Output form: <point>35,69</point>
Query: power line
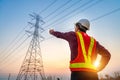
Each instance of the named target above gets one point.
<point>69,13</point>
<point>97,18</point>
<point>6,63</point>
<point>91,5</point>
<point>10,51</point>
<point>5,59</point>
<point>9,62</point>
<point>14,39</point>
<point>20,37</point>
<point>58,8</point>
<point>106,14</point>
<point>47,7</point>
<point>66,9</point>
<point>11,46</point>
<point>113,11</point>
<point>13,43</point>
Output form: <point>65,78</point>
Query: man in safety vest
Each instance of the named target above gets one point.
<point>84,50</point>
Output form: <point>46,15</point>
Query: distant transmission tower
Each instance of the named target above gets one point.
<point>32,66</point>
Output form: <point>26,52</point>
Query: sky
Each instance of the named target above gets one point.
<point>60,15</point>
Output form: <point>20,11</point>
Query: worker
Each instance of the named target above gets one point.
<point>84,50</point>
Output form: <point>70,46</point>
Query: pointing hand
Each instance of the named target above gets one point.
<point>51,31</point>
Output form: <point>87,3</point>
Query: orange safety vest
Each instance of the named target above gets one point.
<point>86,53</point>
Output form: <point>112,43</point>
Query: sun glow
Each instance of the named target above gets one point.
<point>96,64</point>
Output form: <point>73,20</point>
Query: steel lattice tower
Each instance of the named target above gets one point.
<point>32,66</point>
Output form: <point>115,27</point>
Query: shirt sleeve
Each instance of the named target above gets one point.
<point>61,35</point>
<point>105,56</point>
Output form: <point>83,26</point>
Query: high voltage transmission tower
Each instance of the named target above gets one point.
<point>32,66</point>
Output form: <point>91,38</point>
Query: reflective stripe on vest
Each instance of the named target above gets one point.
<point>87,63</point>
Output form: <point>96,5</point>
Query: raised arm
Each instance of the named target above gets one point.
<point>61,35</point>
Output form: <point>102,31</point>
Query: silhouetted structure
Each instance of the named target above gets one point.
<point>32,66</point>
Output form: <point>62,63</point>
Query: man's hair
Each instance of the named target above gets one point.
<point>81,27</point>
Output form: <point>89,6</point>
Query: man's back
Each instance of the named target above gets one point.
<point>84,50</point>
<point>72,40</point>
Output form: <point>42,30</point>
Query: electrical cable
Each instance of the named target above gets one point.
<point>14,39</point>
<point>82,5</point>
<point>5,59</point>
<point>82,10</point>
<point>47,7</point>
<point>69,13</point>
<point>65,9</point>
<point>58,9</point>
<point>97,18</point>
<point>11,46</point>
<point>9,62</point>
<point>93,4</point>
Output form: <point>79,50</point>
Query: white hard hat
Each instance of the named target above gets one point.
<point>85,23</point>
